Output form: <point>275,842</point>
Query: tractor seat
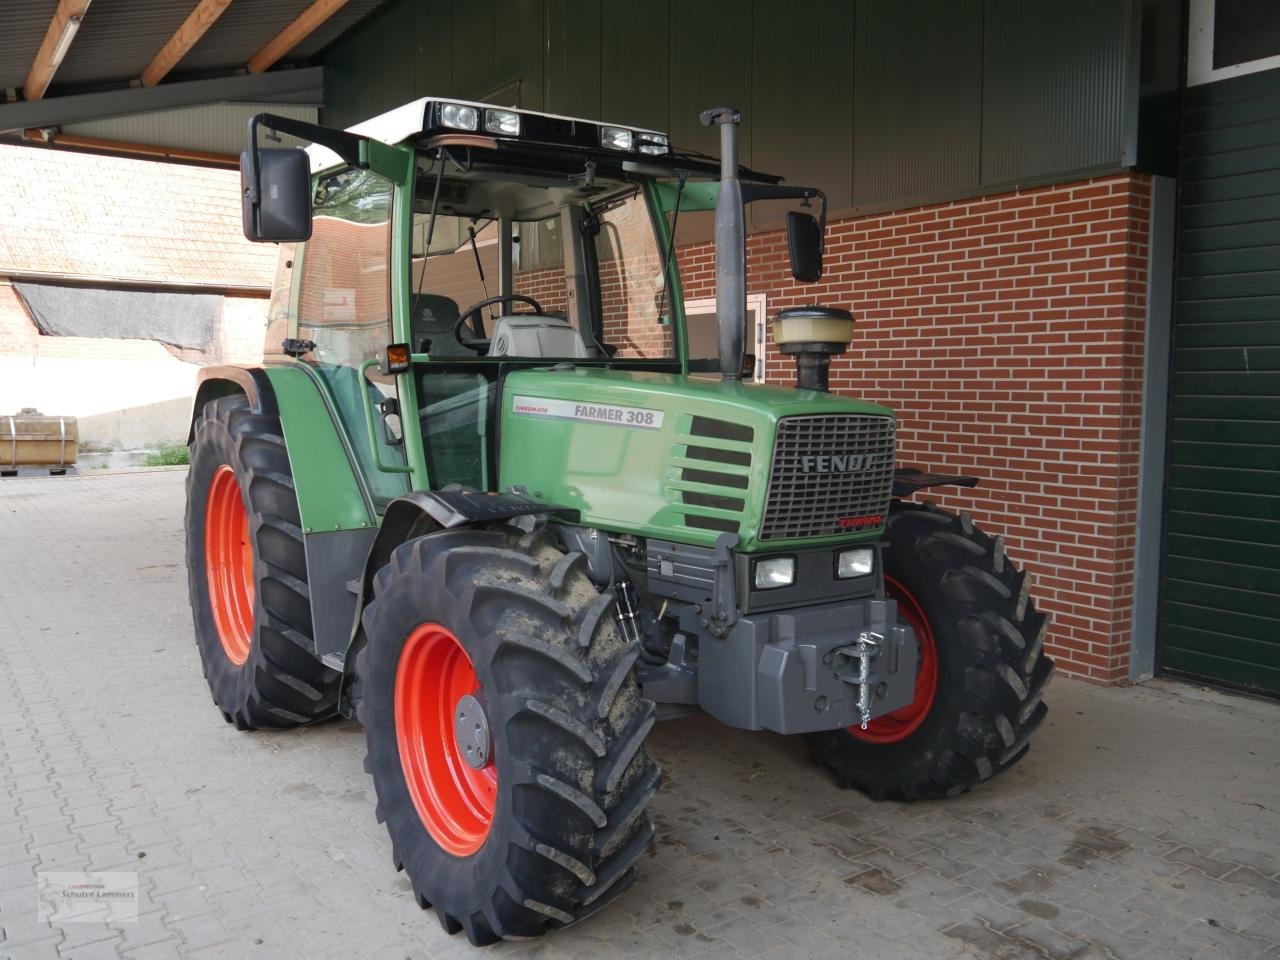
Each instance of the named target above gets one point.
<point>431,317</point>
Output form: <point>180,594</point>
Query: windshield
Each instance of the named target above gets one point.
<point>577,268</point>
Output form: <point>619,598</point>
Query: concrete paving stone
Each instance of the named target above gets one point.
<point>86,939</point>
<point>1251,878</point>
<point>1139,813</point>
<point>43,950</point>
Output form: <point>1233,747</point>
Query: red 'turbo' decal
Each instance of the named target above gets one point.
<point>853,523</point>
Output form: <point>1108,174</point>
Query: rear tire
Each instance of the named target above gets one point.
<point>550,828</point>
<point>987,639</point>
<point>247,573</point>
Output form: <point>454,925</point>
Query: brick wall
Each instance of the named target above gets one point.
<point>1007,333</point>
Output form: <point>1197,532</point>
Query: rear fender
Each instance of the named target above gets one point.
<point>223,381</point>
<point>338,519</point>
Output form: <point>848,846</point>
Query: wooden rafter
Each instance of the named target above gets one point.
<point>66,19</point>
<point>153,151</point>
<point>294,34</point>
<point>197,24</point>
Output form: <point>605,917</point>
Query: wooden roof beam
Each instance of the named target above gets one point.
<point>197,24</point>
<point>294,34</point>
<point>57,40</point>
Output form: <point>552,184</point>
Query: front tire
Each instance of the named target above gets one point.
<point>247,573</point>
<point>982,671</point>
<point>535,815</point>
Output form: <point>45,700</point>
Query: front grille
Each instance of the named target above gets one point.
<point>812,492</point>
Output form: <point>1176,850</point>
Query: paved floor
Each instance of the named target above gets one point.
<point>1145,823</point>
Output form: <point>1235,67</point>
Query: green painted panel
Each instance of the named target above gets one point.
<point>1221,608</point>
<point>329,495</point>
<point>1225,669</point>
<point>627,478</point>
<point>1232,237</point>
<point>1215,116</point>
<point>1218,573</point>
<point>634,58</point>
<point>1220,311</point>
<point>1239,529</point>
<point>520,51</point>
<point>1223,597</point>
<point>473,64</point>
<point>1217,634</point>
<point>1227,408</point>
<point>1260,283</point>
<point>1251,637</point>
<point>1248,358</point>
<point>1257,432</point>
<point>1224,551</point>
<point>1219,479</point>
<point>1249,333</point>
<point>917,99</point>
<point>1260,506</point>
<point>1230,164</point>
<point>1263,183</point>
<point>1247,260</point>
<point>1227,456</point>
<point>1227,358</point>
<point>572,66</point>
<point>1231,212</point>
<point>1261,134</point>
<point>1265,384</point>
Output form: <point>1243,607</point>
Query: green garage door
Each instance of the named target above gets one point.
<point>1221,597</point>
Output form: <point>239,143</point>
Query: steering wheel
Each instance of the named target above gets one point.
<point>481,344</point>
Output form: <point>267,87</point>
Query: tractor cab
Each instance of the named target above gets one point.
<point>481,241</point>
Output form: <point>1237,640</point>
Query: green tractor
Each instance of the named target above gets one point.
<point>495,495</point>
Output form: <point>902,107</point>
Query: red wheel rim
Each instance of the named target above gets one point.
<point>454,800</point>
<point>904,721</point>
<point>228,560</point>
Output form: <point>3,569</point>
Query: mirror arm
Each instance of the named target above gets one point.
<point>345,145</point>
<point>769,191</point>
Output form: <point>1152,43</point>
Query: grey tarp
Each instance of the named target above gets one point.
<point>179,319</point>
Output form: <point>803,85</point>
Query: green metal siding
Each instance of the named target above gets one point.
<point>917,100</point>
<point>1221,594</point>
<point>879,103</point>
<point>1056,86</point>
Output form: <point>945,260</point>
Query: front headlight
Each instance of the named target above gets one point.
<point>460,116</point>
<point>615,138</point>
<point>775,572</point>
<point>857,562</point>
<point>505,122</point>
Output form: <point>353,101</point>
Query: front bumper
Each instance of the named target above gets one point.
<point>782,671</point>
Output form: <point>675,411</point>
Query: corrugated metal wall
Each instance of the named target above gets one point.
<point>881,103</point>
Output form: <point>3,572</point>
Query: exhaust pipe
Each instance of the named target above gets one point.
<point>731,243</point>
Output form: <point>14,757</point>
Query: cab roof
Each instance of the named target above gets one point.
<point>440,120</point>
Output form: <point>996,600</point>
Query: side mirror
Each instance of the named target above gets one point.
<point>275,190</point>
<point>804,244</point>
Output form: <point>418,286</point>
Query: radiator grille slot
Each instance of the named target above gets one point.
<point>828,471</point>
<point>714,461</point>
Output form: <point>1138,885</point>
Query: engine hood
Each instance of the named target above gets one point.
<point>663,455</point>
